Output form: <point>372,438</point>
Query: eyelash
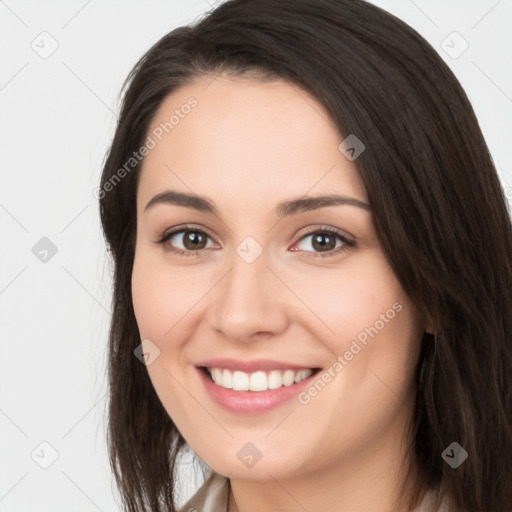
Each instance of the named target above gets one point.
<point>310,254</point>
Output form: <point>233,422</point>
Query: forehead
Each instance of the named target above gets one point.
<point>263,140</point>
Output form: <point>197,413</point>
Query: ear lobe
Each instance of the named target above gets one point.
<point>428,326</point>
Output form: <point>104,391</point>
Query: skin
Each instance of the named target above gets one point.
<point>247,146</point>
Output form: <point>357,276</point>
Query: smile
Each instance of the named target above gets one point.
<point>255,391</point>
<point>256,381</point>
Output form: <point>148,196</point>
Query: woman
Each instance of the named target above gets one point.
<point>312,270</point>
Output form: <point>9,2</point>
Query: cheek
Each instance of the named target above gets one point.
<point>162,296</point>
<point>374,346</point>
<point>160,301</point>
<point>147,301</point>
<point>350,302</point>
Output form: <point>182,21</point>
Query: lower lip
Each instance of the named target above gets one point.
<point>252,402</point>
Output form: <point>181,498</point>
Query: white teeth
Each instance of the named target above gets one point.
<point>274,380</point>
<point>216,374</point>
<point>288,378</point>
<point>257,381</point>
<point>240,381</point>
<point>227,379</point>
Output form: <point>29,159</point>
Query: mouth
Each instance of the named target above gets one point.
<point>253,387</point>
<point>258,381</point>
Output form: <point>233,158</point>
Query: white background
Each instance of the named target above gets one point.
<point>57,116</point>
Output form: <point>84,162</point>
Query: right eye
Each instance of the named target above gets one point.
<point>186,241</point>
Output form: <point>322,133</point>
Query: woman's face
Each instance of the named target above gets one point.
<point>258,280</point>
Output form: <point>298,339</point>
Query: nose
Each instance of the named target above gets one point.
<point>249,302</point>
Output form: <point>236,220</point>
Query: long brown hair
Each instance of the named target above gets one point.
<point>439,210</point>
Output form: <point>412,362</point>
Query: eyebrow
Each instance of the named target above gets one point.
<point>284,209</point>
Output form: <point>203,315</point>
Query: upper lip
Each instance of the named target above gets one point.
<point>252,366</point>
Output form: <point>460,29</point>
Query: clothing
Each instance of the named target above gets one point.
<point>213,496</point>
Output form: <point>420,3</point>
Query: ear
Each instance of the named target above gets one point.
<point>428,326</point>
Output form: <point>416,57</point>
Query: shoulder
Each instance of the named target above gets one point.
<point>212,496</point>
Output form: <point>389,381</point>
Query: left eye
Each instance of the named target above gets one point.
<point>322,241</point>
